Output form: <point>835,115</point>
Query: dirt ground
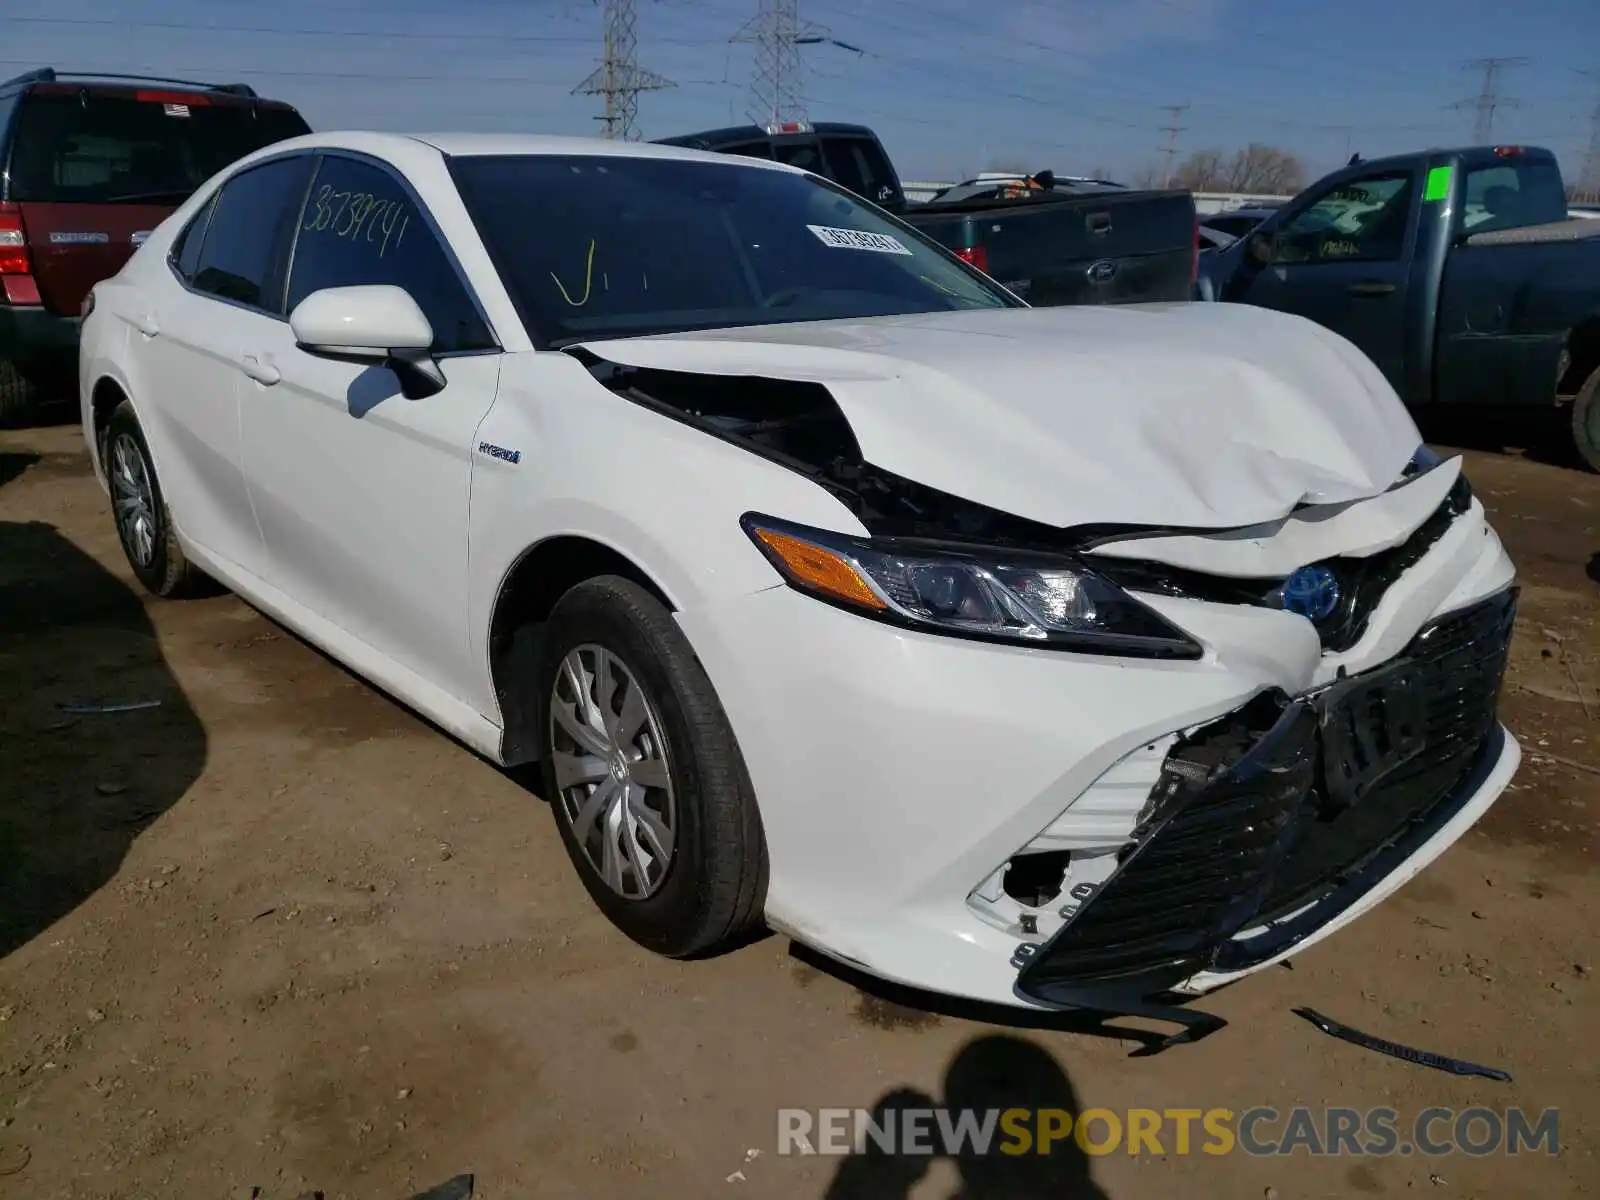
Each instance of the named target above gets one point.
<point>278,933</point>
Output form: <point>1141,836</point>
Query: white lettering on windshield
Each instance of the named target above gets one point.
<point>858,239</point>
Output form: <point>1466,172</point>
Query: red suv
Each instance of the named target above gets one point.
<point>89,165</point>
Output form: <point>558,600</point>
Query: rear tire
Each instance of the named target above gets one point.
<point>19,397</point>
<point>144,523</point>
<point>1586,422</point>
<point>650,733</point>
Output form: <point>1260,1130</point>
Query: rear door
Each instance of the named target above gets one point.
<point>1342,258</point>
<point>190,340</point>
<point>93,171</point>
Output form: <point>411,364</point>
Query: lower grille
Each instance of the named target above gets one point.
<point>1307,796</point>
<point>1446,691</point>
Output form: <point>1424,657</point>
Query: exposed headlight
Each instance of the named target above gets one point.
<point>1426,459</point>
<point>991,595</point>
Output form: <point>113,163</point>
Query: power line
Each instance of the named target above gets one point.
<point>1488,99</point>
<point>1170,150</point>
<point>619,78</point>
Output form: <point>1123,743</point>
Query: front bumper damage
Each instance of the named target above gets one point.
<point>1057,831</point>
<point>1273,821</point>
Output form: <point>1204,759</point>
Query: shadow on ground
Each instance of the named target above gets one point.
<point>13,464</point>
<point>989,1074</point>
<point>75,791</point>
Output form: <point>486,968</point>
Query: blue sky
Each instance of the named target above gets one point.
<point>952,86</point>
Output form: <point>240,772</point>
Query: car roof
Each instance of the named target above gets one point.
<point>732,133</point>
<point>401,146</point>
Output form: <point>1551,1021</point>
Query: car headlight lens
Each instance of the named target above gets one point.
<point>990,595</point>
<point>1426,459</point>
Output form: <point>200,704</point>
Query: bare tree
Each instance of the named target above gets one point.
<point>1202,171</point>
<point>1267,169</point>
<point>1256,168</point>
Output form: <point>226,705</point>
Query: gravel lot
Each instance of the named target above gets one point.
<point>278,933</point>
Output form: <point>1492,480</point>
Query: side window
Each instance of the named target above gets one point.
<point>361,227</point>
<point>186,248</point>
<point>246,245</point>
<point>1513,195</point>
<point>856,164</point>
<point>8,105</point>
<point>1361,220</point>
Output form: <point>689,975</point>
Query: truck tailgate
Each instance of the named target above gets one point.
<point>1106,248</point>
<point>75,246</point>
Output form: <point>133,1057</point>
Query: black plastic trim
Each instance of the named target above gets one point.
<point>1253,815</point>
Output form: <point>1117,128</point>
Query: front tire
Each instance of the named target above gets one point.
<point>144,523</point>
<point>644,775</point>
<point>1586,422</point>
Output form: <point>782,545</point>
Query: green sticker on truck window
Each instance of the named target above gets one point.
<point>1438,184</point>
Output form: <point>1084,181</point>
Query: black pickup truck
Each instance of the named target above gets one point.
<point>1459,272</point>
<point>1051,242</point>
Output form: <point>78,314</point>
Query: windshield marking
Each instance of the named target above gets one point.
<point>588,280</point>
<point>858,239</point>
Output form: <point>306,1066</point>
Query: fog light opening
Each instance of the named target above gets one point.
<point>1035,880</point>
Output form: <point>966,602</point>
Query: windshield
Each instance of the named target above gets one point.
<point>121,150</point>
<point>603,246</point>
<point>1512,195</point>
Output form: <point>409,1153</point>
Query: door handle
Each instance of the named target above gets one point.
<point>147,324</point>
<point>1371,287</point>
<point>259,369</point>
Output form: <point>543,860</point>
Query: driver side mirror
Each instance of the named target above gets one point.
<point>371,323</point>
<point>1261,248</point>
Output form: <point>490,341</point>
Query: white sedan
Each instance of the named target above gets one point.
<point>1054,657</point>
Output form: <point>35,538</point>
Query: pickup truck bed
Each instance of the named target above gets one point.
<point>1106,247</point>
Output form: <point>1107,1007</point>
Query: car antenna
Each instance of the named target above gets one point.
<point>1354,159</point>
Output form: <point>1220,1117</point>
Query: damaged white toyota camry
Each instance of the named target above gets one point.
<point>1054,657</point>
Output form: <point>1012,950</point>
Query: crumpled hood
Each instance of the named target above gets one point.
<point>1197,415</point>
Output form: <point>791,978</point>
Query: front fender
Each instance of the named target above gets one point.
<point>592,464</point>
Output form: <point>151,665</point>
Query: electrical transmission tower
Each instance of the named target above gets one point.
<point>777,34</point>
<point>619,77</point>
<point>1170,150</point>
<point>1488,100</point>
<point>1589,175</point>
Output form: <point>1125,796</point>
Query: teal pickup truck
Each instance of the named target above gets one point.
<point>1460,273</point>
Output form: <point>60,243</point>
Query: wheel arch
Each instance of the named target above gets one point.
<point>1581,355</point>
<point>538,578</point>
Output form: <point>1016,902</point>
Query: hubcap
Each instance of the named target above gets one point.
<point>611,771</point>
<point>133,500</point>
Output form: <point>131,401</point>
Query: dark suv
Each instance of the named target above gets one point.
<point>89,165</point>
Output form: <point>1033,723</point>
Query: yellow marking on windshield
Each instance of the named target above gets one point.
<point>588,280</point>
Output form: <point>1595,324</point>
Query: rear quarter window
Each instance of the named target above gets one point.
<point>115,148</point>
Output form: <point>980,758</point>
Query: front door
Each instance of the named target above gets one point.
<point>1342,258</point>
<point>362,493</point>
